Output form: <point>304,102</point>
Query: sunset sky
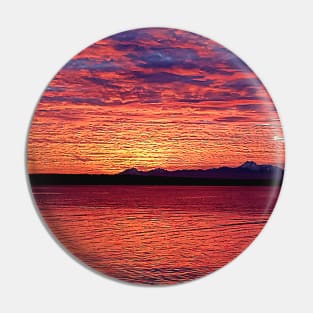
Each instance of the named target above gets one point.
<point>153,98</point>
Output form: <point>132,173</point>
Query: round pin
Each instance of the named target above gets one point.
<point>155,156</point>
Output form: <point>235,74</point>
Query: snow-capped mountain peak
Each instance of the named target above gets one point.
<point>250,165</point>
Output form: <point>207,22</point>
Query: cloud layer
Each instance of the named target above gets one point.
<point>153,98</point>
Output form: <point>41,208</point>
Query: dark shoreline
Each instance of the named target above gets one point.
<point>86,179</point>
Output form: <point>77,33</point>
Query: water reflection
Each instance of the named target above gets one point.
<point>155,234</point>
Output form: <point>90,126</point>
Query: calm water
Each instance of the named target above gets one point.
<point>155,234</point>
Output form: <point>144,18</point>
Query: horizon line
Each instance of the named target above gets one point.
<point>281,166</point>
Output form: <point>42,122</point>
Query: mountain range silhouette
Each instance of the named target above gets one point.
<point>247,174</point>
<point>248,170</point>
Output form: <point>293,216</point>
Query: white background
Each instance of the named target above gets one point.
<point>273,37</point>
